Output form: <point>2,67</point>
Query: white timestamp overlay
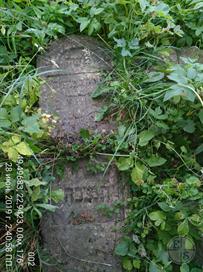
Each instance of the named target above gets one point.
<point>15,254</point>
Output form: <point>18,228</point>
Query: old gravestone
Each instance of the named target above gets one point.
<point>72,67</point>
<point>77,236</point>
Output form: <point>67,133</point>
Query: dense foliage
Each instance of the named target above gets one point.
<point>157,104</point>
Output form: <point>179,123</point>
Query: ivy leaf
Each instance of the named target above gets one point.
<point>183,228</point>
<point>125,53</point>
<point>95,11</point>
<point>124,164</point>
<point>134,44</point>
<point>155,161</point>
<point>146,136</point>
<point>120,42</point>
<point>23,149</point>
<point>84,22</point>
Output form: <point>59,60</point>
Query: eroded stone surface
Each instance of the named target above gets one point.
<point>72,68</point>
<point>77,235</point>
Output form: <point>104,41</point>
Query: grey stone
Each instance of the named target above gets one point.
<point>190,52</point>
<point>77,235</point>
<point>72,68</point>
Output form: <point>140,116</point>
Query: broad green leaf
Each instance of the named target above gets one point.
<point>137,174</point>
<point>189,126</point>
<point>12,154</point>
<point>36,194</point>
<point>3,113</point>
<point>57,195</point>
<point>4,120</point>
<point>31,124</point>
<point>183,228</point>
<point>35,182</point>
<point>95,11</point>
<point>184,268</point>
<point>179,76</point>
<point>125,52</point>
<point>120,42</point>
<point>84,133</point>
<point>94,26</point>
<point>164,206</point>
<point>157,216</point>
<point>177,90</point>
<point>143,4</point>
<point>124,164</point>
<point>127,264</point>
<point>84,22</point>
<point>15,139</point>
<point>137,264</point>
<point>133,44</point>
<point>189,244</point>
<point>122,248</point>
<point>154,77</point>
<point>155,161</point>
<point>24,149</point>
<point>146,136</point>
<point>158,113</point>
<point>16,114</point>
<point>191,73</point>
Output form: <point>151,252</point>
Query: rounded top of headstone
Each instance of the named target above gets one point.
<point>73,54</point>
<point>72,68</point>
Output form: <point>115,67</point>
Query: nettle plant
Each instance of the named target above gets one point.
<point>164,167</point>
<point>160,112</point>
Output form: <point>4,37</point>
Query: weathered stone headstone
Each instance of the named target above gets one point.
<point>72,68</point>
<point>77,235</point>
